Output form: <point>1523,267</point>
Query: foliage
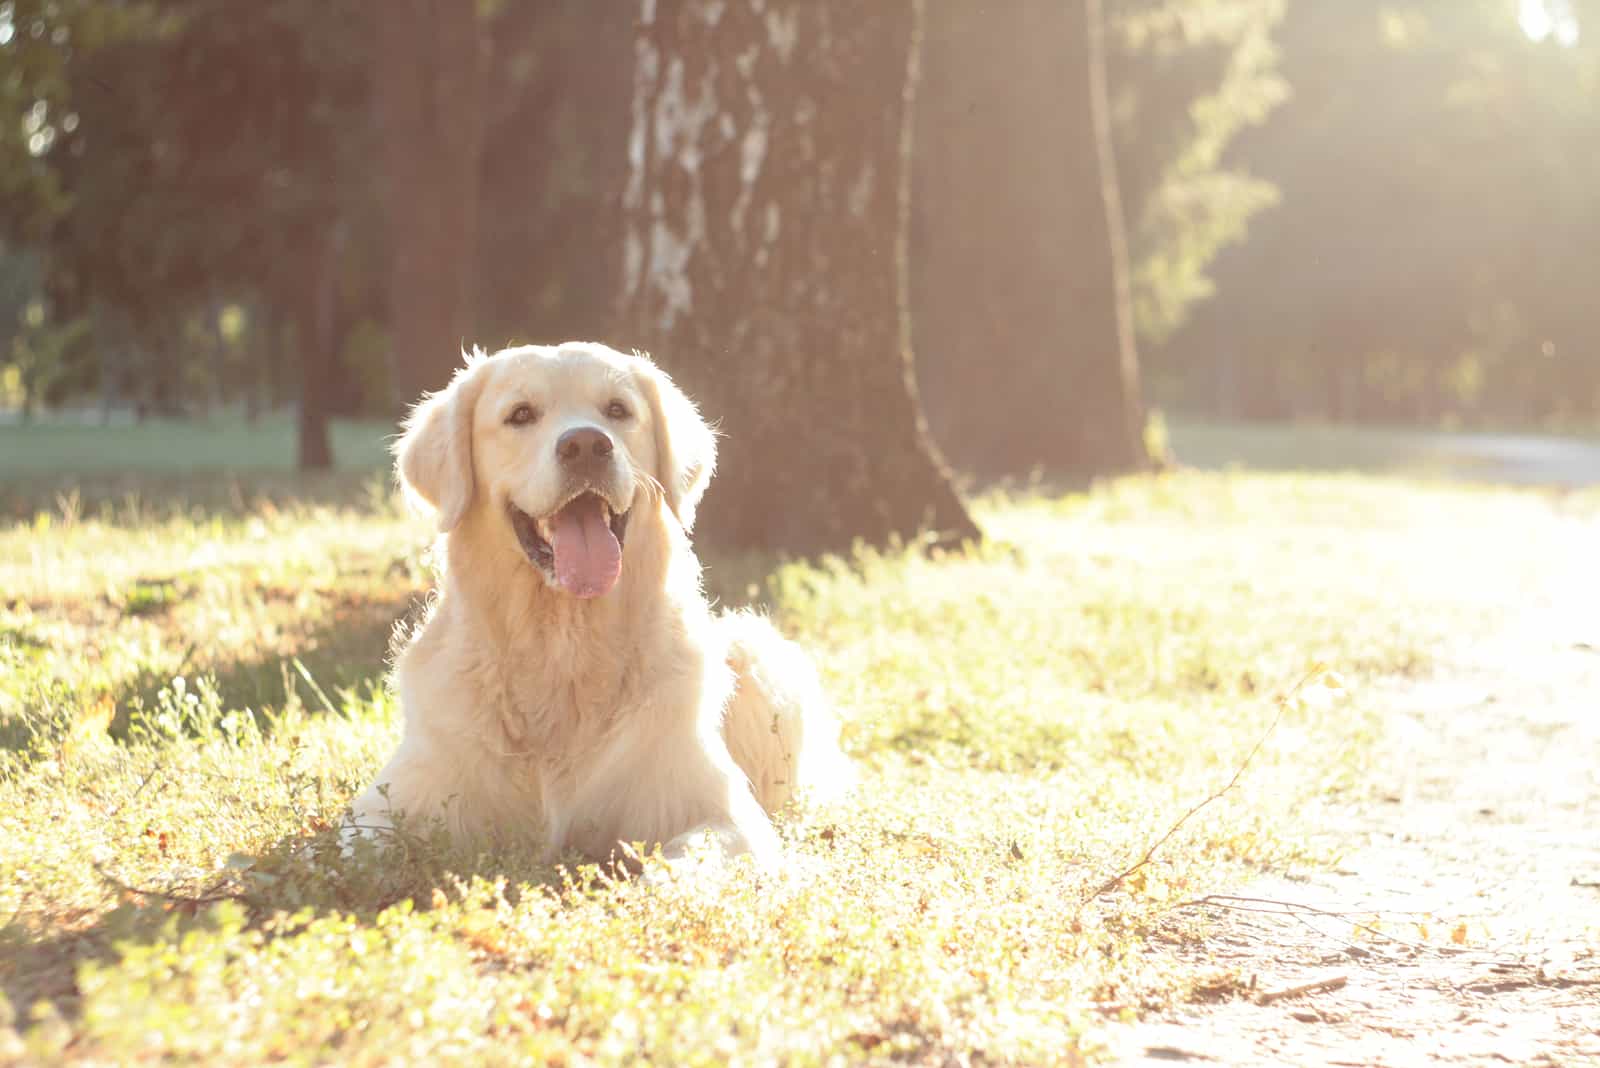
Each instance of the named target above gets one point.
<point>42,44</point>
<point>36,355</point>
<point>1427,263</point>
<point>44,356</point>
<point>1188,77</point>
<point>173,156</point>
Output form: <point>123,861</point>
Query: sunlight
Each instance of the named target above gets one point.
<point>1540,19</point>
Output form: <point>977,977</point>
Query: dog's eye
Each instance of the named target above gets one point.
<point>617,410</point>
<point>523,415</point>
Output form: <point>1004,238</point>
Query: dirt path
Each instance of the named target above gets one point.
<point>1477,850</point>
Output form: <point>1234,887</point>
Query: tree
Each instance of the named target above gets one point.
<point>547,268</point>
<point>1020,297</point>
<point>167,159</point>
<point>1187,77</point>
<point>42,46</point>
<point>39,356</point>
<point>429,89</point>
<point>764,262</point>
<point>199,151</point>
<point>1429,260</point>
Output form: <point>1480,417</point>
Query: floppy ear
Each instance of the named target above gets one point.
<point>686,448</point>
<point>434,455</point>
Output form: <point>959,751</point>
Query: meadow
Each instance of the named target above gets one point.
<point>192,688</point>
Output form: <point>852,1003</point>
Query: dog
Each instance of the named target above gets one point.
<point>570,686</point>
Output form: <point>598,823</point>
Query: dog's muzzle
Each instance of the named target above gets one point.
<point>578,546</point>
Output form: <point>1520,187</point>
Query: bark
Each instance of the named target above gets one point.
<point>764,263</point>
<point>428,88</point>
<point>1020,305</point>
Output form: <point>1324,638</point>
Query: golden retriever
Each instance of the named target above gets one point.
<point>571,686</point>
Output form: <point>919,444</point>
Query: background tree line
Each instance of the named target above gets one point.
<point>1430,257</point>
<point>989,230</point>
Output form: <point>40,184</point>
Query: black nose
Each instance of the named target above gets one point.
<point>583,445</point>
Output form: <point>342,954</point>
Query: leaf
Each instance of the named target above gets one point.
<point>1318,691</point>
<point>91,725</point>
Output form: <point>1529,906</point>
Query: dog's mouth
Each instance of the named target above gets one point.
<point>578,546</point>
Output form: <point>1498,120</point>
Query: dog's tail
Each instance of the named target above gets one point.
<point>779,725</point>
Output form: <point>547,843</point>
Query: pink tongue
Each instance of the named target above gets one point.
<point>588,555</point>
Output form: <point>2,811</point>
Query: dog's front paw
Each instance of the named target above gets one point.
<point>704,850</point>
<point>364,830</point>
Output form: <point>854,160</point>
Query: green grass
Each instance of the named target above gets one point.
<point>184,466</point>
<point>178,447</point>
<point>189,697</point>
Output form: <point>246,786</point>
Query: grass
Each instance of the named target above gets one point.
<point>190,695</point>
<point>176,446</point>
<point>211,465</point>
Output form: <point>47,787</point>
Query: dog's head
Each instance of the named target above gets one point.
<point>559,446</point>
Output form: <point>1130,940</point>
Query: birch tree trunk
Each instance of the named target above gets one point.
<point>1020,303</point>
<point>764,263</point>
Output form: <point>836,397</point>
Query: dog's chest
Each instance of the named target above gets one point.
<point>555,714</point>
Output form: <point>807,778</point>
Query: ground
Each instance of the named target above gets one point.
<point>1503,458</point>
<point>1461,927</point>
<point>191,690</point>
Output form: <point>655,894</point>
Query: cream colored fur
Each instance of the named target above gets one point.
<point>637,716</point>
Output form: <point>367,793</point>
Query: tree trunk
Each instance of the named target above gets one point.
<point>428,87</point>
<point>257,357</point>
<point>317,348</point>
<point>108,385</point>
<point>215,396</point>
<point>1019,300</point>
<point>764,263</point>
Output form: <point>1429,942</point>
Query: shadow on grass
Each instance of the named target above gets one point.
<point>336,662</point>
<point>282,888</point>
<point>339,659</point>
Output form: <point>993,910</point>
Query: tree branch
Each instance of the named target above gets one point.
<point>1283,703</point>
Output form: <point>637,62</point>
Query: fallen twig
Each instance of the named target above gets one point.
<point>1332,982</point>
<point>209,898</point>
<point>1297,911</point>
<point>1489,984</point>
<point>1300,911</point>
<point>1283,703</point>
<point>1268,905</point>
<point>159,769</point>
